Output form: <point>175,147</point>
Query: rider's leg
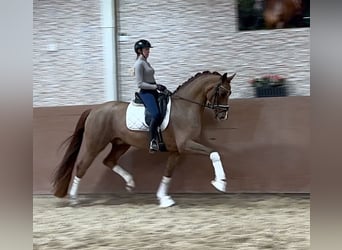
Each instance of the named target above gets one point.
<point>153,135</point>
<point>151,105</point>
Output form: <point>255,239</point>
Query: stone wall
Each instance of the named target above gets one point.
<point>188,37</point>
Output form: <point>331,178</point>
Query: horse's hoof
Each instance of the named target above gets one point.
<point>130,185</point>
<point>220,185</point>
<point>166,201</point>
<point>73,201</point>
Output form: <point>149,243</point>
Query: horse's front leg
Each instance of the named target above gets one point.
<point>220,178</point>
<point>165,200</point>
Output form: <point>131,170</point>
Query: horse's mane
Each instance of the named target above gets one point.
<point>191,79</point>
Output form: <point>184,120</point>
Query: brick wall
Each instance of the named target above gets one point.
<point>188,37</point>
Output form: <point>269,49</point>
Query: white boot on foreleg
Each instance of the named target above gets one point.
<point>220,178</point>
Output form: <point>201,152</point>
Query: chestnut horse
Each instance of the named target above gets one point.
<point>281,13</point>
<point>105,124</point>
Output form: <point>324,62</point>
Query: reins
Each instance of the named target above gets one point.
<point>206,105</point>
<point>191,101</point>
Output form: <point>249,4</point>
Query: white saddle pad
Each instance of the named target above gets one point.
<point>135,117</point>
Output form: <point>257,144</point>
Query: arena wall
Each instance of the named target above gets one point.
<point>264,147</point>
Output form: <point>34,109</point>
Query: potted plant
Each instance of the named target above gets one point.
<point>269,86</point>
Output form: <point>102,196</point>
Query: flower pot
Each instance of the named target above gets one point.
<point>270,91</point>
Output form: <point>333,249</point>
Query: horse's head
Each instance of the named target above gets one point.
<point>218,96</point>
<point>209,90</point>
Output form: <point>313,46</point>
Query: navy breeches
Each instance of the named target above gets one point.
<point>149,99</point>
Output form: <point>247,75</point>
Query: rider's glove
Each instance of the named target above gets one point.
<point>161,87</point>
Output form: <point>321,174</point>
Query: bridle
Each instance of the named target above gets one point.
<point>219,108</point>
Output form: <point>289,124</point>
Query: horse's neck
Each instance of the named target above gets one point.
<point>195,91</point>
<point>192,99</point>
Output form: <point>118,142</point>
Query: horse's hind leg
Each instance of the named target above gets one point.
<point>111,161</point>
<point>81,169</point>
<point>165,200</point>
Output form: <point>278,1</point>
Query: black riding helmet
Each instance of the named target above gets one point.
<point>141,44</point>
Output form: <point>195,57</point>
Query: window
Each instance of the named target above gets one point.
<point>273,14</point>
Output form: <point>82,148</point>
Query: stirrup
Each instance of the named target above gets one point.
<point>154,146</point>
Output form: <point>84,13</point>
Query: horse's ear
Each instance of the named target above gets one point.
<point>224,76</point>
<point>231,77</point>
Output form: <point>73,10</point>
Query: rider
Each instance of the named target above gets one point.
<point>144,78</point>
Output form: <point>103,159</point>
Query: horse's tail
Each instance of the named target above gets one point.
<point>63,173</point>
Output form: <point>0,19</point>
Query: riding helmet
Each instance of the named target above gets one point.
<point>142,44</point>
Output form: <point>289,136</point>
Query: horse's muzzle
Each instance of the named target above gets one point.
<point>221,112</point>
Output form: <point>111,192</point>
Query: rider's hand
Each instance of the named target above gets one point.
<point>161,87</point>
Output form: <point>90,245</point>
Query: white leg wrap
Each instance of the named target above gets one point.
<point>126,176</point>
<point>74,187</point>
<point>163,187</point>
<point>164,199</point>
<point>219,172</point>
<point>122,172</point>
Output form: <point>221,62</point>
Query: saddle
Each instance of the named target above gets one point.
<point>162,101</point>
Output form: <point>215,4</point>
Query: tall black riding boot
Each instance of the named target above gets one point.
<point>153,136</point>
